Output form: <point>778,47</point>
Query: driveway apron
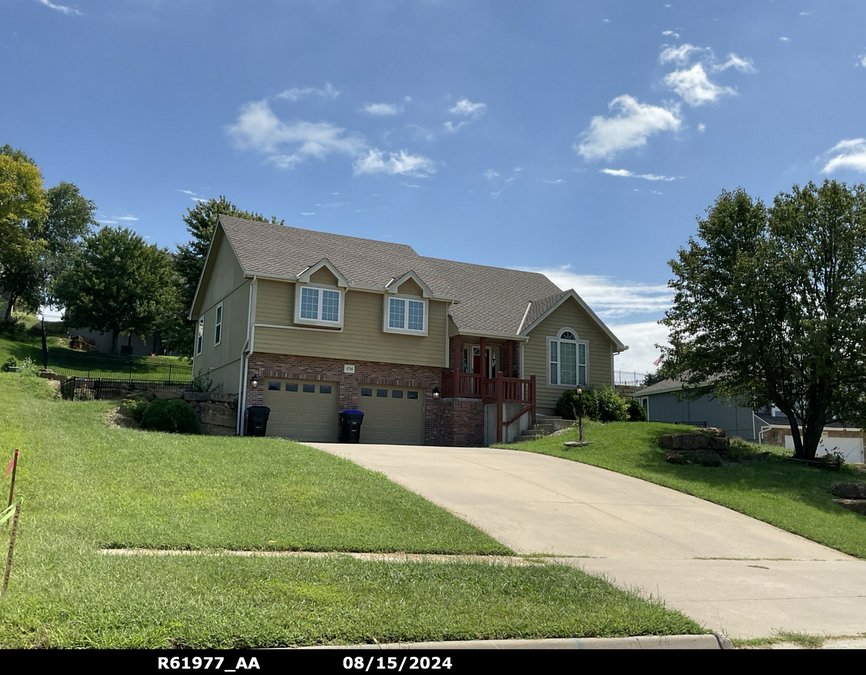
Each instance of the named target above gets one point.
<point>733,574</point>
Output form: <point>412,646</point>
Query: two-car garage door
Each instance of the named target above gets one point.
<point>306,410</point>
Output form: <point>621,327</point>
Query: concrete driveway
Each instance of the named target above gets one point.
<point>733,574</point>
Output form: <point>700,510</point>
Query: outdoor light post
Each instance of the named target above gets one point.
<point>580,413</point>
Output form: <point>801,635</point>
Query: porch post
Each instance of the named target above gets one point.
<point>532,396</point>
<point>499,403</point>
<point>458,354</point>
<point>484,368</point>
<point>509,358</point>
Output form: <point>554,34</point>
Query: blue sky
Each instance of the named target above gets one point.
<point>581,139</point>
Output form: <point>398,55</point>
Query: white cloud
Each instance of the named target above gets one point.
<point>391,163</point>
<point>127,218</point>
<point>490,174</point>
<point>849,154</point>
<point>670,33</point>
<point>702,127</point>
<point>784,39</point>
<point>862,60</point>
<point>453,128</point>
<point>187,192</point>
<point>308,213</point>
<point>641,339</point>
<point>734,61</point>
<point>679,55</point>
<point>465,107</point>
<point>60,8</point>
<point>630,126</point>
<point>106,222</point>
<point>605,20</point>
<point>625,173</point>
<point>558,181</point>
<point>695,87</point>
<point>409,185</point>
<point>296,94</point>
<point>198,199</point>
<point>382,109</point>
<point>257,128</point>
<point>611,297</point>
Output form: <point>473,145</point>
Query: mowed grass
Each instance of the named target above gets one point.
<point>63,359</point>
<point>87,486</point>
<point>792,497</point>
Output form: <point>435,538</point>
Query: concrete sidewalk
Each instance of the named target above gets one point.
<point>735,575</point>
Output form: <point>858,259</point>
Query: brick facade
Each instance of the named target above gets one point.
<point>436,432</point>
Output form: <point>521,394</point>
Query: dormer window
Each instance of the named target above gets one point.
<point>319,306</point>
<point>405,315</point>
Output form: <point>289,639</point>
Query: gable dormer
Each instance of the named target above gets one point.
<point>320,296</point>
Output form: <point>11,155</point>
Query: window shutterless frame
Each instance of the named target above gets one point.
<point>218,326</point>
<point>405,314</point>
<point>199,337</point>
<point>319,305</point>
<point>567,360</point>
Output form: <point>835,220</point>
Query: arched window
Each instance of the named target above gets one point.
<point>567,359</point>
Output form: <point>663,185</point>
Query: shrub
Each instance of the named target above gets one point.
<point>171,415</point>
<point>13,328</point>
<point>636,413</point>
<point>9,364</point>
<point>568,405</point>
<point>611,406</point>
<point>135,408</point>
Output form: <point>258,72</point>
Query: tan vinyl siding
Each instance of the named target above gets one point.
<point>223,273</point>
<point>275,302</point>
<point>409,287</point>
<point>323,276</point>
<point>362,337</point>
<point>222,360</point>
<point>569,314</point>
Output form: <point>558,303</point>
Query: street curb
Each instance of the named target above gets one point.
<point>713,641</point>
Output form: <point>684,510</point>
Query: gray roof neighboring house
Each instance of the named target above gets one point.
<point>488,300</point>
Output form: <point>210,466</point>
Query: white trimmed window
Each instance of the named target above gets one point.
<point>567,360</point>
<point>319,306</point>
<point>405,315</point>
<point>218,327</point>
<point>199,336</point>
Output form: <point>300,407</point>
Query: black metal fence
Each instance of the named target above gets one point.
<point>132,371</point>
<point>104,389</point>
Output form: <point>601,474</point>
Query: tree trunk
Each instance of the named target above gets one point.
<point>115,348</point>
<point>12,298</point>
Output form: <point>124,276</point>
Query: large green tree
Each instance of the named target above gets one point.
<point>117,284</point>
<point>175,329</point>
<point>27,271</point>
<point>770,305</point>
<point>23,206</point>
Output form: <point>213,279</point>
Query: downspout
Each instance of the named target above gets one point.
<point>245,361</point>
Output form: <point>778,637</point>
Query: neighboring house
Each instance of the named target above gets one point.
<point>151,344</point>
<point>664,402</point>
<point>433,351</point>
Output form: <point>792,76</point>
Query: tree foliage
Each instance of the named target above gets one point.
<point>770,305</point>
<point>175,328</point>
<point>117,284</point>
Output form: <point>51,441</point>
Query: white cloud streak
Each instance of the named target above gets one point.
<point>382,109</point>
<point>625,173</point>
<point>641,339</point>
<point>392,163</point>
<point>60,8</point>
<point>629,127</point>
<point>695,87</point>
<point>743,65</point>
<point>847,154</point>
<point>611,297</point>
<point>289,144</point>
<point>296,94</point>
<point>465,107</point>
<point>679,55</point>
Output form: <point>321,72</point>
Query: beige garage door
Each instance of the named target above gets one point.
<point>392,414</point>
<point>302,410</point>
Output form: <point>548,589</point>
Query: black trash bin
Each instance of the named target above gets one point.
<point>350,426</point>
<point>257,420</point>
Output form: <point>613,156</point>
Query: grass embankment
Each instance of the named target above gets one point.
<point>792,497</point>
<point>87,487</point>
<point>63,359</point>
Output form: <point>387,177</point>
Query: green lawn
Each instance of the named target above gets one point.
<point>62,359</point>
<point>792,497</point>
<point>87,486</point>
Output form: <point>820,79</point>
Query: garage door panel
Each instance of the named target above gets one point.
<point>392,414</point>
<point>302,410</point>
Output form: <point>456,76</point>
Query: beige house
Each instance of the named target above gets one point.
<point>433,351</point>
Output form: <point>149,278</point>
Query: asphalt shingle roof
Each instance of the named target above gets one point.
<point>491,300</point>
